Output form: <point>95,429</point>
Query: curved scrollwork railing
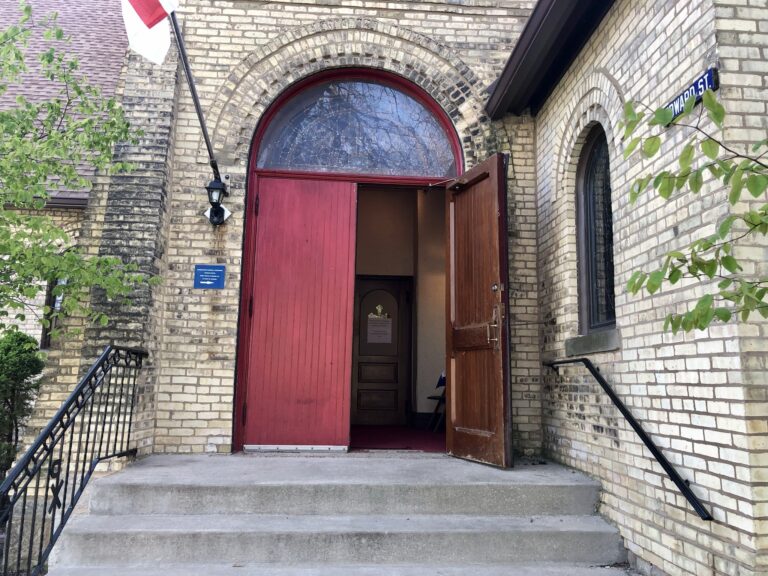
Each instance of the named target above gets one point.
<point>41,491</point>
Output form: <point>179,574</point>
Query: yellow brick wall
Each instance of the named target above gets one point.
<point>243,56</point>
<point>742,34</point>
<point>687,390</point>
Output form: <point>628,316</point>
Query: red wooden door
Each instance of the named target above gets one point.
<point>302,273</point>
<point>477,394</point>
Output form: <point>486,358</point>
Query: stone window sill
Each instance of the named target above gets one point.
<point>602,341</point>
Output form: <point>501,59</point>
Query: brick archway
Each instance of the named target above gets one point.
<point>598,101</point>
<point>348,42</point>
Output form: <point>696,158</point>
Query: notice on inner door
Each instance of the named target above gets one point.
<point>379,330</point>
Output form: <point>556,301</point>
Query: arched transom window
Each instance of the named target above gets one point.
<point>359,126</point>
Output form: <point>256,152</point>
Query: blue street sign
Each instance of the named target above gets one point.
<point>210,276</point>
<point>707,81</point>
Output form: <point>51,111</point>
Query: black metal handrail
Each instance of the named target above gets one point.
<point>40,493</point>
<point>681,484</point>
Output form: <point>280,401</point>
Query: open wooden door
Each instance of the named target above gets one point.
<point>477,404</point>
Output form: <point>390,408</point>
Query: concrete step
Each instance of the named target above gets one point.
<point>348,485</point>
<point>373,539</point>
<point>543,569</point>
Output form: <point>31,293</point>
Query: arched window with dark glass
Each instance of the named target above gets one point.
<point>595,229</point>
<point>52,307</point>
<point>359,126</point>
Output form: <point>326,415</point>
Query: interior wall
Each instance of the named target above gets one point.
<point>430,295</point>
<point>386,224</point>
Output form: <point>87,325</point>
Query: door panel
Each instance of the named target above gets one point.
<point>477,393</point>
<point>298,369</point>
<point>381,361</point>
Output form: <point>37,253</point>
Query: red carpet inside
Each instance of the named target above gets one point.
<point>396,438</point>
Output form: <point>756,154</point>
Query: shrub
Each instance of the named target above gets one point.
<point>20,364</point>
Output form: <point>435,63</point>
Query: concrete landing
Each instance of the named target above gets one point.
<point>542,569</point>
<point>367,483</point>
<point>355,467</point>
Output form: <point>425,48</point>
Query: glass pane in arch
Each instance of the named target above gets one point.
<point>599,234</point>
<point>360,127</point>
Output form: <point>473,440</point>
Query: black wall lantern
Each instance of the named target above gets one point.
<point>217,213</point>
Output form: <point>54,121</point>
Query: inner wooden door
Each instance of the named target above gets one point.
<point>381,370</point>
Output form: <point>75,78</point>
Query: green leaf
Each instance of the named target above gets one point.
<point>635,282</point>
<point>723,314</point>
<point>716,171</point>
<point>709,267</point>
<point>745,314</point>
<point>704,302</point>
<point>757,184</point>
<point>710,148</point>
<point>629,111</point>
<point>695,181</point>
<point>731,264</point>
<point>631,147</point>
<point>725,226</point>
<point>667,186</point>
<point>686,156</point>
<point>737,185</point>
<point>661,117</point>
<point>677,255</point>
<point>690,103</point>
<point>654,281</point>
<point>705,318</point>
<point>651,146</point>
<point>637,188</point>
<point>674,275</point>
<point>715,110</point>
<point>723,284</point>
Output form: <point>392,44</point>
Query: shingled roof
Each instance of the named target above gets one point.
<point>97,41</point>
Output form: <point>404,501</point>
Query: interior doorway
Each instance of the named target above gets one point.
<point>381,351</point>
<point>399,319</point>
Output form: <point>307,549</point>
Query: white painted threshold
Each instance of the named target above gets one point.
<point>292,448</point>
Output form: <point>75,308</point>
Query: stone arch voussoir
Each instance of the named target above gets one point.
<point>348,42</point>
<point>599,100</point>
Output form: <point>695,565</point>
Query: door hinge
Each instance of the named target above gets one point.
<point>250,307</point>
<point>244,415</point>
<point>256,205</point>
<point>461,184</point>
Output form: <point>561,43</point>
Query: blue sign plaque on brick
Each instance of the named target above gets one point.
<point>707,81</point>
<point>210,276</point>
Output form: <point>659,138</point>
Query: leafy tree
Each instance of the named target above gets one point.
<point>20,364</point>
<point>49,145</point>
<point>710,259</point>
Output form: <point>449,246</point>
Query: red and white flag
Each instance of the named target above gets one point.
<point>147,26</point>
